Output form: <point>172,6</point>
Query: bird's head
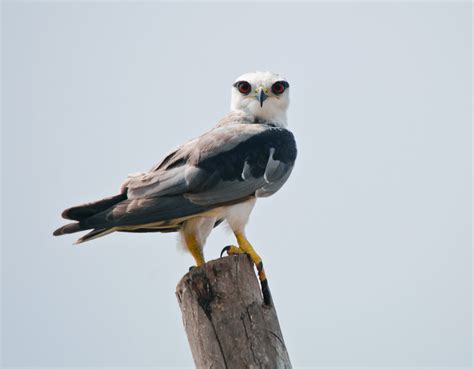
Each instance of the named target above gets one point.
<point>262,95</point>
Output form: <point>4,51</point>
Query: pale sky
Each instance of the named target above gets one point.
<point>367,247</point>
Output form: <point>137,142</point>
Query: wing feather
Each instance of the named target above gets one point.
<point>225,165</point>
<point>177,172</point>
<point>146,210</point>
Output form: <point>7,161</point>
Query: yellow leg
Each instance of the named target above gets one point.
<point>194,248</point>
<point>246,247</point>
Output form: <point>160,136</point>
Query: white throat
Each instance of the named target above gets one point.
<point>276,117</point>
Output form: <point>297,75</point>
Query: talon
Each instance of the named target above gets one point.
<point>267,295</point>
<point>192,267</point>
<point>225,249</point>
<point>232,250</point>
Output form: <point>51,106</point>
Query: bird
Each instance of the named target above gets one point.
<point>210,179</point>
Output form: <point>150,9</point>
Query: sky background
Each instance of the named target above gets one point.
<point>367,247</point>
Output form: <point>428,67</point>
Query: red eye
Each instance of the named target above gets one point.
<point>243,87</point>
<point>278,88</point>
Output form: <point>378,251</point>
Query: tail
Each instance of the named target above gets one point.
<point>68,228</point>
<point>76,227</point>
<point>92,208</point>
<point>82,212</point>
<point>143,214</point>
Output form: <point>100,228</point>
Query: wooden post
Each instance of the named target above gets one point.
<point>227,324</point>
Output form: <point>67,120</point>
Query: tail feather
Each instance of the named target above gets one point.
<point>68,228</point>
<point>117,213</point>
<point>96,233</point>
<point>84,211</point>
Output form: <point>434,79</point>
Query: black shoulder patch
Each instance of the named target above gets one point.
<point>254,152</point>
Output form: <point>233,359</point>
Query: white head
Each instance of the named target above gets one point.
<point>262,95</point>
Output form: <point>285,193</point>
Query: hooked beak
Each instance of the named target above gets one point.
<point>261,96</point>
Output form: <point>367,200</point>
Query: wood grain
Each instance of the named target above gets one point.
<point>227,324</point>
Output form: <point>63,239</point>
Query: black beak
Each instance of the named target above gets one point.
<point>261,97</point>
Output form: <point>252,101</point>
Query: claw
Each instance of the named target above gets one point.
<point>232,250</point>
<point>226,249</point>
<point>192,267</point>
<point>267,295</point>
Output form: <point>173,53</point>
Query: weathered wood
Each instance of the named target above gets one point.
<point>226,321</point>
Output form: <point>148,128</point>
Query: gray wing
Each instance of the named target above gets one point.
<point>141,211</point>
<point>249,177</point>
<point>226,164</point>
<point>179,170</point>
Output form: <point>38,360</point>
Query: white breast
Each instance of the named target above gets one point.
<point>237,215</point>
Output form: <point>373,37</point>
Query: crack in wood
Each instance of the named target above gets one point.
<point>276,335</point>
<point>219,343</point>
<point>242,318</point>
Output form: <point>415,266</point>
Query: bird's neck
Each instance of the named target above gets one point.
<point>275,117</point>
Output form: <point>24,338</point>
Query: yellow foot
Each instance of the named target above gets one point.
<point>235,250</point>
<point>245,245</point>
<point>232,250</point>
